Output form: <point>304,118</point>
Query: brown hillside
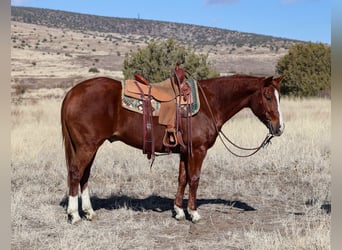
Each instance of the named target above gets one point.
<point>56,48</point>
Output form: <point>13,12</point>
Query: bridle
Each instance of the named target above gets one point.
<point>222,136</point>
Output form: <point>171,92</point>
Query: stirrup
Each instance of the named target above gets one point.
<point>170,138</point>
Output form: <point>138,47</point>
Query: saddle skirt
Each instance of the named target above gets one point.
<point>162,94</point>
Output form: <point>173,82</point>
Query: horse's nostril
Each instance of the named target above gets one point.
<point>280,130</point>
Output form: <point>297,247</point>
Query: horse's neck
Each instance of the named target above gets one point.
<point>229,96</point>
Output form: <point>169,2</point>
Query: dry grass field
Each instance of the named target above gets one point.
<point>276,199</point>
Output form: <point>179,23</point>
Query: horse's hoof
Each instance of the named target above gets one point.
<point>195,216</point>
<point>74,219</point>
<point>180,215</point>
<point>91,216</point>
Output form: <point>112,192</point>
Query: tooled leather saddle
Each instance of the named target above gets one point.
<point>170,99</point>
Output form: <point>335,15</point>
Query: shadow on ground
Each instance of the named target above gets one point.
<point>153,203</point>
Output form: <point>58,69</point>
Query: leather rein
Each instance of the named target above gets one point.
<point>222,136</point>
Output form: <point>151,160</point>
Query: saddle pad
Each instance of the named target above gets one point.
<point>135,104</point>
<point>195,105</point>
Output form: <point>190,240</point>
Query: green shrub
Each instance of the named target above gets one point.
<point>158,59</point>
<point>306,70</point>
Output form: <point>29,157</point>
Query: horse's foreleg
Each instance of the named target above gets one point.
<point>182,181</point>
<point>194,172</point>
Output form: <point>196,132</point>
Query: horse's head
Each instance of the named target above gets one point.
<point>266,105</point>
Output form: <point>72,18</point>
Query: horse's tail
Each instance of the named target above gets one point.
<point>69,145</point>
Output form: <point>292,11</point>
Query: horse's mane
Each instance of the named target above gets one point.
<point>244,76</point>
<point>230,77</point>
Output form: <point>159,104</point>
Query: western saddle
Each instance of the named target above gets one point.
<point>171,93</point>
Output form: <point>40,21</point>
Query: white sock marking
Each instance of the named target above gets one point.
<point>86,204</point>
<point>73,209</point>
<point>73,204</point>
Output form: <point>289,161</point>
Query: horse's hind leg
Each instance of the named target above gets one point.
<point>80,166</point>
<point>86,204</point>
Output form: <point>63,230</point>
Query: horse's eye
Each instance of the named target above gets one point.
<point>268,98</point>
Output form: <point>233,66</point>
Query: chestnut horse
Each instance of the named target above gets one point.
<point>92,113</point>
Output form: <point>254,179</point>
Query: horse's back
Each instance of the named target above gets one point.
<point>94,86</point>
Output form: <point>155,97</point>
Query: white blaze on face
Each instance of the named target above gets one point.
<point>279,111</point>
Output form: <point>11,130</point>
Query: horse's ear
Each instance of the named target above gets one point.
<point>177,66</point>
<point>268,81</point>
<point>278,79</point>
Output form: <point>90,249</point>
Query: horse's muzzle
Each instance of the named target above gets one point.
<point>276,129</point>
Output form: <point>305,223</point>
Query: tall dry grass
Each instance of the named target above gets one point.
<point>288,184</point>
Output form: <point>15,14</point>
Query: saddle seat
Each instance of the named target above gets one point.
<point>162,91</point>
